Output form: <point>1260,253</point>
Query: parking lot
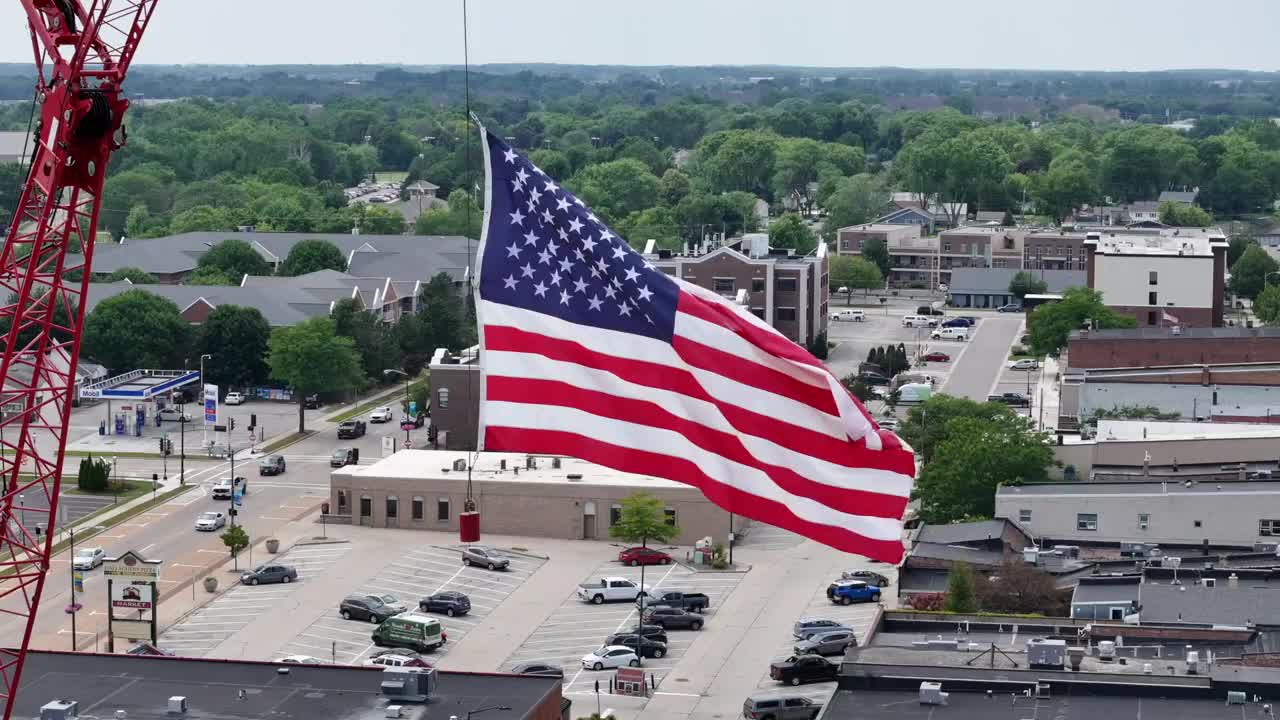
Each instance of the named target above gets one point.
<point>576,628</point>
<point>763,536</point>
<point>417,573</point>
<point>211,625</point>
<point>883,326</point>
<point>858,616</point>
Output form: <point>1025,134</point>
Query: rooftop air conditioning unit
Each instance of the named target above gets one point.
<point>460,464</point>
<point>177,705</point>
<point>931,694</point>
<point>59,710</point>
<point>408,684</point>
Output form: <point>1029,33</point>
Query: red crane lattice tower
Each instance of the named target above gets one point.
<point>82,50</point>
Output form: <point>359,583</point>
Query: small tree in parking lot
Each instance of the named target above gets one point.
<point>643,518</point>
<point>236,539</point>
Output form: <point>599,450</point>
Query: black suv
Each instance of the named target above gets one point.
<point>363,607</point>
<point>648,648</point>
<point>350,429</point>
<point>449,602</point>
<point>651,632</point>
<point>673,618</point>
<point>311,402</point>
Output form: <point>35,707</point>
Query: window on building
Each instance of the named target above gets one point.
<point>758,312</point>
<point>724,286</point>
<point>1087,521</point>
<point>757,285</point>
<point>1117,613</point>
<point>946,246</point>
<point>442,509</point>
<point>1153,298</point>
<point>1153,278</point>
<point>342,502</point>
<point>1024,515</point>
<point>1269,528</point>
<point>442,398</point>
<point>1199,523</point>
<point>785,314</point>
<point>671,516</point>
<point>1144,521</point>
<point>785,284</point>
<point>418,507</point>
<point>393,506</point>
<point>615,514</point>
<point>1151,317</point>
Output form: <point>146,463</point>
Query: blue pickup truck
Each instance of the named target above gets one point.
<point>845,592</point>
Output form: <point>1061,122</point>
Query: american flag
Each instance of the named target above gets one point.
<point>589,351</point>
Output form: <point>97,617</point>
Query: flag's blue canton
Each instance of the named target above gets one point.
<point>545,251</point>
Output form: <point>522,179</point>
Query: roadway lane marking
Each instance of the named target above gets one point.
<point>148,547</point>
<point>269,517</point>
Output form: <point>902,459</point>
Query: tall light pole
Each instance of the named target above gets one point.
<point>407,419</point>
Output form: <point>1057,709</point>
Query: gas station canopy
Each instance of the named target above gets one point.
<point>138,385</point>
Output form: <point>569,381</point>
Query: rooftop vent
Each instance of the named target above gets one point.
<point>178,705</point>
<point>408,684</point>
<point>59,710</point>
<point>460,464</point>
<point>530,462</point>
<point>931,694</point>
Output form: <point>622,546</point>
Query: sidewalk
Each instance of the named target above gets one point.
<point>1048,398</point>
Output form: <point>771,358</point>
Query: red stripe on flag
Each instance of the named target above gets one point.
<point>727,497</point>
<point>743,370</point>
<point>724,316</point>
<point>644,412</point>
<point>838,451</point>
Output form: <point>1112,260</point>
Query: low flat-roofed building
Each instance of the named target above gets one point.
<point>1153,451</point>
<point>515,493</point>
<point>140,687</point>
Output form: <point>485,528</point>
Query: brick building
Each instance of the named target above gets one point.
<point>849,240</point>
<point>1054,250</point>
<point>1173,277</point>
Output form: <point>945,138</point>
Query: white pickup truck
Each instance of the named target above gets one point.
<point>611,589</point>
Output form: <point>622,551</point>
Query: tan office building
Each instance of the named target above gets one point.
<point>516,494</point>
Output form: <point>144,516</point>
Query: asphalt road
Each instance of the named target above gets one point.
<point>976,370</point>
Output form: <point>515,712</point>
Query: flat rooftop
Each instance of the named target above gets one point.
<point>1122,430</point>
<point>876,227</point>
<point>1185,242</point>
<point>1145,489</point>
<point>141,686</point>
<point>439,464</point>
<point>898,704</point>
<point>1155,333</point>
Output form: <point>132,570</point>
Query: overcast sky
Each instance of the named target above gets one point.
<point>1032,34</point>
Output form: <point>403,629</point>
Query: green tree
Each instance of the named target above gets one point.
<point>375,220</point>
<point>133,275</point>
<point>1267,305</point>
<point>1050,324</point>
<point>643,518</point>
<point>11,177</point>
<point>673,187</point>
<point>441,308</point>
<point>789,231</point>
<point>856,387</point>
<point>462,217</point>
<point>617,188</point>
<point>209,276</point>
<point>1019,587</point>
<point>926,424</point>
<point>1069,183</point>
<point>1024,283</point>
<point>737,160</point>
<point>136,329</point>
<point>800,162</point>
<point>1249,273</point>
<point>311,357</point>
<point>877,253</point>
<point>977,457</point>
<point>235,259</point>
<point>656,223</point>
<point>204,218</point>
<point>1183,215</point>
<point>310,256</point>
<point>238,339</point>
<point>552,162</point>
<point>1140,161</point>
<point>854,273</point>
<point>94,475</point>
<point>854,201</point>
<point>150,186</point>
<point>235,538</point>
<point>960,593</point>
<point>1237,245</point>
<point>376,342</point>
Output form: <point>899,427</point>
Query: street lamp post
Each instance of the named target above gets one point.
<point>407,419</point>
<point>71,606</point>
<point>115,484</point>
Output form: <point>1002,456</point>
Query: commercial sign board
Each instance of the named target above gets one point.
<point>132,566</point>
<point>132,629</point>
<point>210,403</point>
<point>135,595</point>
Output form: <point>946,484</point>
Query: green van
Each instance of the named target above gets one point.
<point>413,630</point>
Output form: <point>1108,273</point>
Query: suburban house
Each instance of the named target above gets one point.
<point>403,258</point>
<point>1177,196</point>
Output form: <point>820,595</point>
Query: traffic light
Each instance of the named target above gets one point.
<point>253,420</point>
<point>231,424</point>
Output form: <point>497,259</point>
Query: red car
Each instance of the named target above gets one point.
<point>643,556</point>
<point>937,357</point>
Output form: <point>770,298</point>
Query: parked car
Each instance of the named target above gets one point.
<point>397,657</point>
<point>171,414</point>
<point>780,707</point>
<point>542,669</point>
<point>673,618</point>
<point>915,321</point>
<point>484,557</point>
<point>210,521</point>
<point>342,456</point>
<point>223,489</point>
<point>1025,364</point>
<point>301,660</point>
<point>869,577</point>
<point>608,657</point>
<point>929,310</point>
<point>958,322</point>
<point>832,642</point>
<point>311,402</point>
<point>390,601</point>
<point>1011,398</point>
<point>805,627</point>
<point>350,429</point>
<point>651,632</point>
<point>233,398</point>
<point>412,630</point>
<point>380,415</point>
<point>448,602</point>
<point>648,647</point>
<point>693,602</point>
<point>848,314</point>
<point>937,357</point>
<point>271,465</point>
<point>635,556</point>
<point>847,592</point>
<point>88,558</point>
<point>266,574</point>
<point>804,669</point>
<point>950,333</point>
<point>365,607</point>
<point>873,378</point>
<point>1011,307</point>
<point>610,589</point>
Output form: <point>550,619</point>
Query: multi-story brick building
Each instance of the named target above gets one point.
<point>849,240</point>
<point>1173,277</point>
<point>1054,250</point>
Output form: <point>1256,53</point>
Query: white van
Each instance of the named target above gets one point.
<point>914,393</point>
<point>848,314</point>
<point>915,321</point>
<point>950,333</point>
